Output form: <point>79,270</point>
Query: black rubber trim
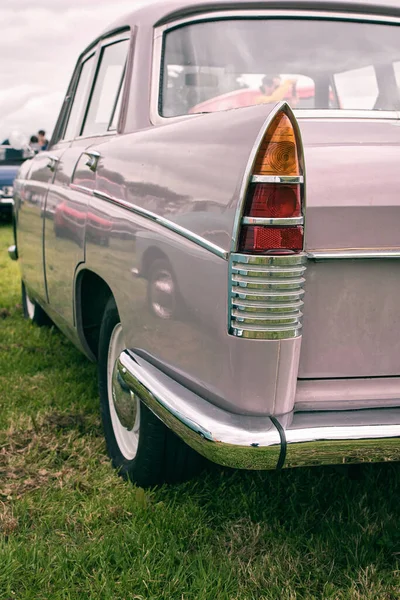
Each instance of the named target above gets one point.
<point>281,431</point>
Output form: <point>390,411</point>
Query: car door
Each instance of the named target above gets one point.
<point>92,119</point>
<point>33,193</point>
<point>35,202</point>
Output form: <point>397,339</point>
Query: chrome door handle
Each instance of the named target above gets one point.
<point>93,159</point>
<point>53,160</point>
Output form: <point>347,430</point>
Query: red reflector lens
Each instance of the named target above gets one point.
<point>262,239</point>
<point>274,200</point>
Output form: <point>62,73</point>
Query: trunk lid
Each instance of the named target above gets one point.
<point>351,314</point>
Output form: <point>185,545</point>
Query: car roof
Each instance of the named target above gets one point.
<point>160,12</point>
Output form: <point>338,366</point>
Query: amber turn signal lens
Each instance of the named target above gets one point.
<point>259,239</point>
<point>278,151</point>
<point>274,200</point>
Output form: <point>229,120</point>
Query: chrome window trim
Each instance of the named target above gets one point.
<point>272,221</point>
<point>357,254</point>
<point>88,137</point>
<point>166,223</point>
<point>123,36</point>
<point>95,51</point>
<point>344,114</point>
<point>81,188</point>
<point>158,38</point>
<point>277,179</point>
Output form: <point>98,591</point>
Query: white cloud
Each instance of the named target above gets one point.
<point>39,44</point>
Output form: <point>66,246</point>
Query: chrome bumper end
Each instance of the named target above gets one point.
<point>257,442</point>
<point>12,252</point>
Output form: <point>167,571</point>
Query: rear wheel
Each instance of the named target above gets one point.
<point>140,446</point>
<point>33,311</point>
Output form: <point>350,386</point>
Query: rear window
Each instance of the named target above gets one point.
<point>312,64</point>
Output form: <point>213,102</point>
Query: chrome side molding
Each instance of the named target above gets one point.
<point>261,442</point>
<point>320,255</point>
<point>265,296</point>
<point>166,223</point>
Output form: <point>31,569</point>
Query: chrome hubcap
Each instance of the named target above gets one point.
<point>124,405</point>
<point>163,295</point>
<point>30,307</point>
<point>124,402</point>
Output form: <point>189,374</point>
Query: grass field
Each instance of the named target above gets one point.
<point>71,528</point>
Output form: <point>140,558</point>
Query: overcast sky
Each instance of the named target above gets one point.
<point>40,42</point>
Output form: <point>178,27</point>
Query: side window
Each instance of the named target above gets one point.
<point>79,98</point>
<point>357,88</point>
<point>106,96</point>
<point>116,111</point>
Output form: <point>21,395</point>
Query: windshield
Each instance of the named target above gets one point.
<point>312,64</point>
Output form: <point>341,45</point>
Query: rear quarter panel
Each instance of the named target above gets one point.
<point>191,173</point>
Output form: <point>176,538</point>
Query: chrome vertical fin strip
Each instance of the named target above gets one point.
<point>265,296</point>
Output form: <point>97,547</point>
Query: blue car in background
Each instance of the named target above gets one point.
<point>10,162</point>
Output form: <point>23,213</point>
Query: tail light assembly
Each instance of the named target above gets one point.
<point>267,264</point>
<point>273,219</point>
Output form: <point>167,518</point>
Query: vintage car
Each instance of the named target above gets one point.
<point>10,161</point>
<point>234,273</point>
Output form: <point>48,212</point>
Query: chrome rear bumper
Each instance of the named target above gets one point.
<point>254,442</point>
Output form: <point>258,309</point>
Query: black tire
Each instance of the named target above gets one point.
<point>33,311</point>
<point>57,230</point>
<point>161,457</point>
<point>169,303</point>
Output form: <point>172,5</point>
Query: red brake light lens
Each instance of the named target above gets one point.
<point>274,200</point>
<point>258,239</point>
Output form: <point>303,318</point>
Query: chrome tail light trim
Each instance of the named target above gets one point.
<point>273,221</point>
<point>292,179</point>
<point>265,296</point>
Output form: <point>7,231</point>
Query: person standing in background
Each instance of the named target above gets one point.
<point>43,142</point>
<point>34,144</point>
<point>273,89</point>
